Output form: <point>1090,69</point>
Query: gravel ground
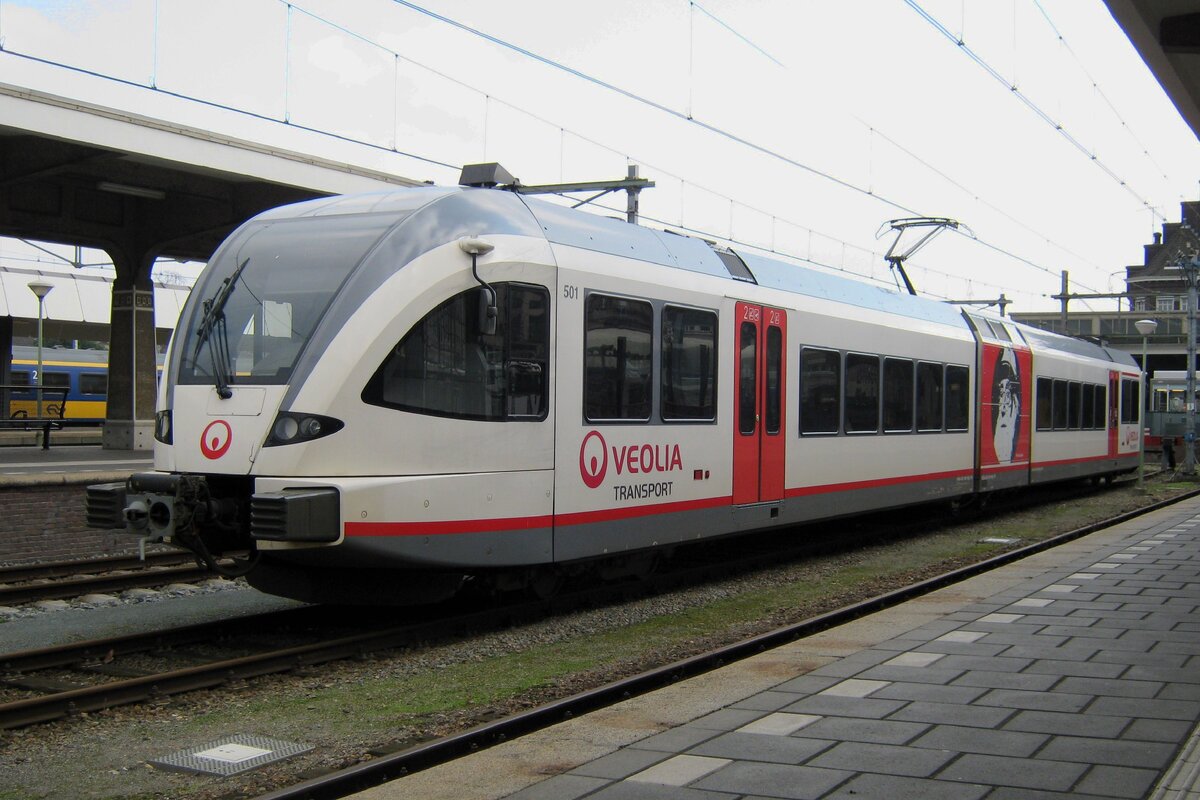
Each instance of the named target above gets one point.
<point>52,622</point>
<point>104,755</point>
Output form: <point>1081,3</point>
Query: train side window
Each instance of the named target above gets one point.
<point>820,390</point>
<point>1100,407</point>
<point>999,331</point>
<point>1045,404</point>
<point>1130,395</point>
<point>445,366</point>
<point>897,395</point>
<point>56,380</point>
<point>1060,405</point>
<point>958,398</point>
<point>774,387</point>
<point>525,351</point>
<point>1088,422</point>
<point>747,375</point>
<point>862,393</point>
<point>617,358</point>
<point>93,383</point>
<point>1074,399</point>
<point>929,396</point>
<point>20,377</point>
<point>689,364</point>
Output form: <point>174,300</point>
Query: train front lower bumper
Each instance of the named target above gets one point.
<point>163,507</point>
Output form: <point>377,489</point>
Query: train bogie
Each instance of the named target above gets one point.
<point>438,387</point>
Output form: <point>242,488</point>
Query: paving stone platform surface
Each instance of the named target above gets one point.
<point>1074,674</point>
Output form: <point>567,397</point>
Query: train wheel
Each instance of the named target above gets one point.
<point>546,582</point>
<point>638,566</point>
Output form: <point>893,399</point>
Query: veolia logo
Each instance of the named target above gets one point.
<point>593,459</point>
<point>215,439</point>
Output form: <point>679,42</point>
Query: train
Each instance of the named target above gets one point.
<point>83,373</point>
<point>1166,418</point>
<point>386,398</point>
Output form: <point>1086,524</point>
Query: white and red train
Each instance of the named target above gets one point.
<point>383,396</point>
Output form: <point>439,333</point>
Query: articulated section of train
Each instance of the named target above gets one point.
<point>380,397</point>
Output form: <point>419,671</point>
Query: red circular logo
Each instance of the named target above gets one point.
<point>593,459</point>
<point>216,439</point>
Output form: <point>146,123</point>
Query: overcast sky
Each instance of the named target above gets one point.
<point>799,126</point>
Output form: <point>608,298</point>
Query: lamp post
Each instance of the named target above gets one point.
<point>41,290</point>
<point>1146,327</point>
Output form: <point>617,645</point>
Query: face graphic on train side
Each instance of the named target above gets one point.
<point>1006,409</point>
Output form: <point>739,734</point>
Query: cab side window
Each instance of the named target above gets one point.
<point>447,367</point>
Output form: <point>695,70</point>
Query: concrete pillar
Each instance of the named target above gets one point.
<point>129,420</point>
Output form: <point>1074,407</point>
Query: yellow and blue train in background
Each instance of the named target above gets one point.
<point>83,373</point>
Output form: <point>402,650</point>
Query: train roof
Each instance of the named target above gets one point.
<point>443,214</point>
<point>462,211</point>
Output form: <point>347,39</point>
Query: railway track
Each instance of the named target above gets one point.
<point>51,683</point>
<point>55,581</point>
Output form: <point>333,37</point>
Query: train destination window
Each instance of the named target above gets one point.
<point>929,396</point>
<point>862,393</point>
<point>958,398</point>
<point>617,362</point>
<point>897,395</point>
<point>820,390</point>
<point>689,364</point>
<point>1045,404</point>
<point>93,383</point>
<point>446,367</point>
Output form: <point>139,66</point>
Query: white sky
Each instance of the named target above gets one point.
<point>849,113</point>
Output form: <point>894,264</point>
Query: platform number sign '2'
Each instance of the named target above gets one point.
<point>760,343</point>
<point>215,439</point>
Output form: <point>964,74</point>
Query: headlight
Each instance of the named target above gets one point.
<point>291,428</point>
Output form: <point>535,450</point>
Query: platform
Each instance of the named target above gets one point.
<point>1073,673</point>
<point>66,460</point>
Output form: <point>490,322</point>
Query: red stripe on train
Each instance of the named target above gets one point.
<point>452,527</point>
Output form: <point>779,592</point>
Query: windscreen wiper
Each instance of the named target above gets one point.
<point>212,322</point>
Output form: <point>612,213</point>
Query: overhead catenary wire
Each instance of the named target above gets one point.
<point>1100,91</point>
<point>1028,102</point>
<point>875,131</point>
<point>688,117</point>
<point>716,130</point>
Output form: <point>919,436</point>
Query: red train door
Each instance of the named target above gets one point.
<point>760,343</point>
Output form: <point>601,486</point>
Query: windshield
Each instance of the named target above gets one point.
<point>262,297</point>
